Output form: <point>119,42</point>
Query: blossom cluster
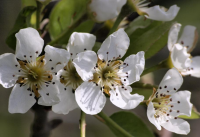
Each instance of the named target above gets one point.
<point>77,77</point>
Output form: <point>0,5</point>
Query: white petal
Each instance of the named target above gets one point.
<point>80,42</point>
<point>135,67</point>
<point>157,13</point>
<point>67,101</point>
<point>29,44</point>
<point>194,69</point>
<point>171,82</point>
<point>150,115</point>
<point>181,103</point>
<point>178,126</point>
<point>49,94</point>
<point>180,58</point>
<point>90,98</point>
<point>106,9</point>
<point>173,35</point>
<point>8,70</point>
<point>122,98</point>
<point>21,99</point>
<point>85,63</point>
<point>115,46</point>
<point>189,37</point>
<point>55,58</point>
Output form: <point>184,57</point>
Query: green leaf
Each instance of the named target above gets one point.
<point>26,3</point>
<point>20,23</point>
<point>194,114</point>
<point>131,123</point>
<point>64,15</point>
<point>96,46</point>
<point>139,22</point>
<point>145,92</point>
<point>143,89</point>
<point>150,39</point>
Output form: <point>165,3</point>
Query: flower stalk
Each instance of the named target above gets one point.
<point>161,65</point>
<point>38,13</point>
<point>124,12</point>
<point>83,125</point>
<point>112,124</point>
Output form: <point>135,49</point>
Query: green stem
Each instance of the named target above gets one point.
<point>124,12</point>
<point>112,124</point>
<point>38,13</point>
<point>68,31</point>
<point>131,5</point>
<point>161,65</point>
<point>83,124</point>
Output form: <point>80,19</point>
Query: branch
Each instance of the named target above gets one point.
<point>41,127</point>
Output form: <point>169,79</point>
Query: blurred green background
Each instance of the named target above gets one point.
<point>18,125</point>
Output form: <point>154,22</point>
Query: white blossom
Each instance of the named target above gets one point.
<point>105,73</point>
<point>165,104</point>
<point>180,50</point>
<point>68,76</point>
<point>32,76</point>
<point>156,12</point>
<point>103,10</point>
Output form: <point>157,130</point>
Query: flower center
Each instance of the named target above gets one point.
<point>70,76</point>
<point>107,74</point>
<point>34,74</point>
<point>161,104</point>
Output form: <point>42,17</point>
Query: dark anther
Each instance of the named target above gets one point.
<point>36,52</point>
<point>85,49</point>
<point>165,86</point>
<point>178,102</point>
<point>50,60</point>
<point>53,82</point>
<point>47,94</point>
<point>174,88</point>
<point>160,87</point>
<point>52,68</point>
<point>24,55</point>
